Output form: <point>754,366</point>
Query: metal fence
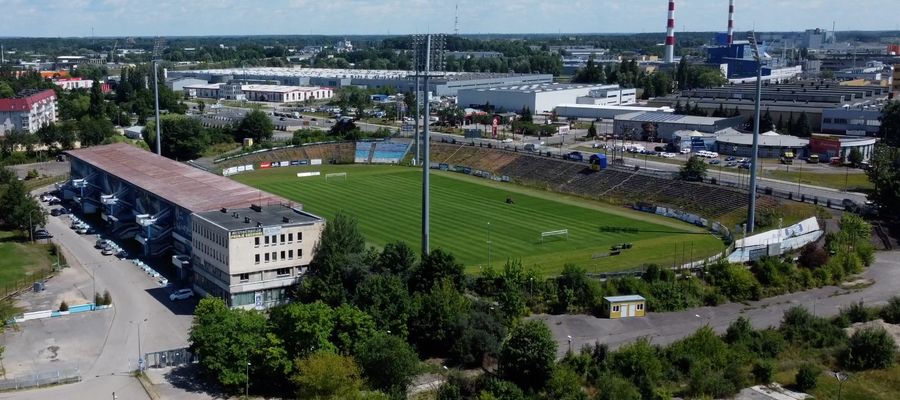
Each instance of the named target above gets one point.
<point>41,379</point>
<point>27,283</point>
<point>170,358</point>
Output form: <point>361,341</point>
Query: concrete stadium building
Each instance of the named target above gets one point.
<point>170,209</point>
<point>446,85</point>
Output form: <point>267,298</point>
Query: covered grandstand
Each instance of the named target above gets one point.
<point>149,198</point>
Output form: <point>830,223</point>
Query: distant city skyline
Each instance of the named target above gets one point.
<point>379,17</point>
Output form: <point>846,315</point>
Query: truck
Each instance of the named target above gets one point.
<point>787,158</point>
<point>813,159</point>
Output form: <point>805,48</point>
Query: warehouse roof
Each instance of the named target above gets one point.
<point>278,88</point>
<point>656,116</point>
<point>188,187</point>
<point>544,87</point>
<point>765,139</point>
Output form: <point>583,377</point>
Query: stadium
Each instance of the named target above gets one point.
<point>491,205</point>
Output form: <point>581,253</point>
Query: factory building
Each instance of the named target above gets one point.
<point>539,98</point>
<point>783,101</point>
<point>863,121</point>
<point>651,125</point>
<point>266,93</point>
<point>609,95</point>
<point>169,209</point>
<point>28,111</point>
<point>598,112</point>
<point>828,147</point>
<point>446,85</point>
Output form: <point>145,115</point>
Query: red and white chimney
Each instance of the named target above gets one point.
<point>670,34</point>
<point>730,22</point>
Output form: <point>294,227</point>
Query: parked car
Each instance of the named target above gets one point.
<point>730,158</point>
<point>575,156</point>
<point>42,234</point>
<point>181,294</point>
<point>55,212</point>
<point>715,162</point>
<point>122,254</point>
<point>100,243</point>
<point>54,201</point>
<point>108,251</point>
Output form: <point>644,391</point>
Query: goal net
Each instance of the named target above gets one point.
<point>549,235</point>
<point>336,175</point>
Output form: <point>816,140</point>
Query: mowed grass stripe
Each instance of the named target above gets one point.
<point>387,202</point>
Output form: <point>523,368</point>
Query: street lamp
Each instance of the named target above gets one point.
<point>140,350</point>
<point>489,243</point>
<point>247,374</point>
<point>841,377</point>
<point>569,337</point>
<point>751,211</point>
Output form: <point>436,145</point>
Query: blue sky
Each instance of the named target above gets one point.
<point>336,17</point>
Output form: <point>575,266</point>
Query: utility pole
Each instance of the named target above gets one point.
<point>751,211</point>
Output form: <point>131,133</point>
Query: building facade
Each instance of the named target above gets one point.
<point>265,93</point>
<point>610,95</point>
<point>851,121</point>
<point>251,256</point>
<point>663,126</point>
<point>28,111</point>
<point>539,98</point>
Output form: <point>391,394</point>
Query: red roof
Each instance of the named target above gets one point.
<point>191,188</point>
<point>25,103</point>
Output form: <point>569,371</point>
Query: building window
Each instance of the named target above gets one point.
<point>282,238</point>
<point>245,277</point>
<point>290,254</point>
<point>283,271</point>
<point>274,256</point>
<point>282,254</point>
<point>299,236</point>
<point>290,237</point>
<point>256,241</point>
<point>267,240</point>
<point>299,253</point>
<point>267,257</point>
<point>640,306</point>
<point>615,308</point>
<point>256,259</point>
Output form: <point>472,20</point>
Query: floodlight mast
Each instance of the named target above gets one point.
<point>754,156</point>
<point>430,59</point>
<point>157,47</point>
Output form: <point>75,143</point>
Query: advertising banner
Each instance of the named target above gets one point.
<point>315,161</point>
<point>264,165</point>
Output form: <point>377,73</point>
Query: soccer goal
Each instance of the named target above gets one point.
<point>336,175</point>
<point>555,234</point>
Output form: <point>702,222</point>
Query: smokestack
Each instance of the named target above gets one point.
<point>730,22</point>
<point>670,34</point>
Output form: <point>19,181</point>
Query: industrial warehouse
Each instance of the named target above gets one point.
<point>223,227</point>
<point>445,85</point>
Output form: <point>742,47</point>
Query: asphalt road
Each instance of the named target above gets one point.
<point>111,344</point>
<point>665,328</point>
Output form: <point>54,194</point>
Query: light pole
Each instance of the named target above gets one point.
<point>569,337</point>
<point>489,243</point>
<point>841,377</point>
<point>247,375</point>
<point>751,211</point>
<point>140,350</point>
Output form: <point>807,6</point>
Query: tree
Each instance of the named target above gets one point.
<point>592,131</point>
<point>527,356</point>
<point>93,131</point>
<point>326,375</point>
<point>18,210</point>
<point>437,266</point>
<point>435,316</point>
<point>694,170</point>
<point>891,312</point>
<point>615,388</point>
<point>386,299</point>
<point>388,362</point>
<point>807,377</point>
<point>525,115</point>
<point>565,384</point>
<point>184,138</point>
<point>889,132</point>
<point>201,106</point>
<point>396,258</point>
<point>711,78</point>
<point>478,334</point>
<point>305,328</point>
<point>350,327</point>
<point>884,174</point>
<point>256,125</point>
<point>870,348</point>
<point>6,91</point>
<point>98,104</point>
<point>763,372</point>
<point>341,242</point>
<point>855,157</point>
<point>226,340</point>
<point>639,363</point>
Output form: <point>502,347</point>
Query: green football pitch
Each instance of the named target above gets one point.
<point>471,218</point>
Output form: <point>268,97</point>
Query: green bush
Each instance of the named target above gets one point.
<point>891,312</point>
<point>107,299</point>
<point>63,306</point>
<point>98,299</point>
<point>800,327</point>
<point>807,377</point>
<point>869,348</point>
<point>856,312</point>
<point>763,372</point>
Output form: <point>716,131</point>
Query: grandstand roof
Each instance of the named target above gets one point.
<point>188,187</point>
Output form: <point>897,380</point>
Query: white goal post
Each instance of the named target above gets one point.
<point>336,175</point>
<point>550,234</point>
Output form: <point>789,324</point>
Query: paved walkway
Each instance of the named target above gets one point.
<point>664,328</point>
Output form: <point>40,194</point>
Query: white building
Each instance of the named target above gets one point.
<point>609,95</point>
<point>73,83</point>
<point>539,98</point>
<point>28,112</point>
<point>251,256</point>
<point>266,93</point>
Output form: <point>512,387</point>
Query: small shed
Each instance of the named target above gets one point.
<point>624,306</point>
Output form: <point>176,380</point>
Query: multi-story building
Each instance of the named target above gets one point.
<point>267,93</point>
<point>251,256</point>
<point>28,111</point>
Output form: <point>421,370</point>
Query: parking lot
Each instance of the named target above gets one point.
<point>102,344</point>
